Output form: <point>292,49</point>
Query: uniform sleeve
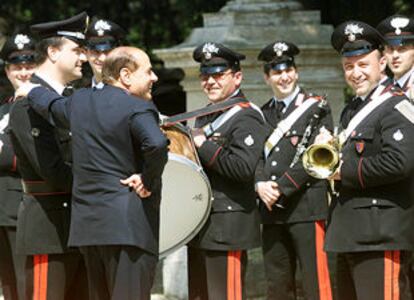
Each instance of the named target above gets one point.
<point>392,163</point>
<point>153,144</point>
<point>7,157</point>
<point>238,156</point>
<point>295,178</point>
<point>51,106</point>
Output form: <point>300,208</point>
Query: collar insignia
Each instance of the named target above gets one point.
<point>351,30</point>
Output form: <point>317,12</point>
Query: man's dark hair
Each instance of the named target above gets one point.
<point>43,45</point>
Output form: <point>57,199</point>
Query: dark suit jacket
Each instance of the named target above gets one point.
<point>10,183</point>
<point>229,158</point>
<point>114,136</point>
<point>304,197</point>
<point>43,157</point>
<point>374,211</point>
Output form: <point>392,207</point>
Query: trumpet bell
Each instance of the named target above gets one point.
<point>321,160</point>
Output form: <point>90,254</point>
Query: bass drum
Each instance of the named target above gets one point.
<point>186,193</point>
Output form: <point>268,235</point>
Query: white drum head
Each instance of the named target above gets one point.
<point>185,203</point>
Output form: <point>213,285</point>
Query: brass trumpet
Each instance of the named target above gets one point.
<point>321,160</point>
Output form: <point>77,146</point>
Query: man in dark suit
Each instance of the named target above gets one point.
<point>293,204</point>
<point>18,56</point>
<point>53,271</point>
<point>101,37</point>
<point>229,145</point>
<point>115,135</point>
<point>371,222</point>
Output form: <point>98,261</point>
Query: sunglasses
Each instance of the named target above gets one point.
<point>215,76</point>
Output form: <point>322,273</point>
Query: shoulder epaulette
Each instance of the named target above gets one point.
<point>406,108</point>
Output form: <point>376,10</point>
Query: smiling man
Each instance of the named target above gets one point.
<point>101,37</point>
<point>371,221</point>
<point>293,231</point>
<point>229,144</point>
<point>53,270</point>
<point>398,32</point>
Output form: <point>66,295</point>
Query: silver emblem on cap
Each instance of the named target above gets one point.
<point>351,30</point>
<point>209,49</point>
<point>20,40</point>
<point>279,48</point>
<point>101,26</point>
<point>399,23</point>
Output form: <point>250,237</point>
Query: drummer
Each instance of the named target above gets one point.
<point>229,144</point>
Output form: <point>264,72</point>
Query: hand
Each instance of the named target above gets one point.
<point>24,90</point>
<point>268,192</point>
<point>198,136</point>
<point>323,137</point>
<point>135,182</point>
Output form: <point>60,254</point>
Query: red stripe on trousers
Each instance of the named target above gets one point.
<point>40,266</point>
<point>392,266</point>
<point>324,282</point>
<point>234,285</point>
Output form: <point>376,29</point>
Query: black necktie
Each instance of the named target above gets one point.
<point>278,109</point>
<point>352,110</point>
<point>68,91</point>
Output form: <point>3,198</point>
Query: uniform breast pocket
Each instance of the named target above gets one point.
<point>295,136</point>
<point>363,139</point>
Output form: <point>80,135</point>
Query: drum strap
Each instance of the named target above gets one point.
<point>210,109</point>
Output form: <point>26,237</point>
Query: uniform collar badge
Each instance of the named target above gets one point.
<point>20,40</point>
<point>209,49</point>
<point>360,147</point>
<point>101,26</point>
<point>398,135</point>
<point>399,23</point>
<point>351,30</point>
<point>249,141</point>
<point>279,48</point>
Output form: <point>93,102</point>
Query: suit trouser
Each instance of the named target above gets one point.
<point>216,275</point>
<point>373,275</point>
<point>56,277</point>
<point>119,272</point>
<point>12,265</point>
<point>283,246</point>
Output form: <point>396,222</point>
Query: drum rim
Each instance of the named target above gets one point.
<point>196,230</point>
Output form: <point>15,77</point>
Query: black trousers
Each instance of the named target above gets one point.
<point>56,277</point>
<point>12,265</point>
<point>286,244</point>
<point>216,275</point>
<point>373,275</point>
<point>119,272</point>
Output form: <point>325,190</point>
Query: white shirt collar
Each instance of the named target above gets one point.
<point>97,85</point>
<point>403,79</point>
<point>57,86</point>
<point>287,100</point>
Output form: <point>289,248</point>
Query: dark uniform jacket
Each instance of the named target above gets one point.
<point>108,146</point>
<point>304,198</point>
<point>43,154</point>
<point>10,183</point>
<point>229,158</point>
<point>374,211</point>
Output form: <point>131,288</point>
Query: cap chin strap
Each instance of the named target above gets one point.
<point>78,35</point>
<point>364,50</point>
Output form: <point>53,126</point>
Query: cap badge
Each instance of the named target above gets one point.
<point>209,49</point>
<point>351,30</point>
<point>20,40</point>
<point>101,26</point>
<point>279,48</point>
<point>399,23</point>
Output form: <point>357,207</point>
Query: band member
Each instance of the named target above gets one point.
<point>101,37</point>
<point>229,144</point>
<point>115,135</point>
<point>371,221</point>
<point>398,32</point>
<point>53,271</point>
<point>293,204</point>
<point>18,56</point>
